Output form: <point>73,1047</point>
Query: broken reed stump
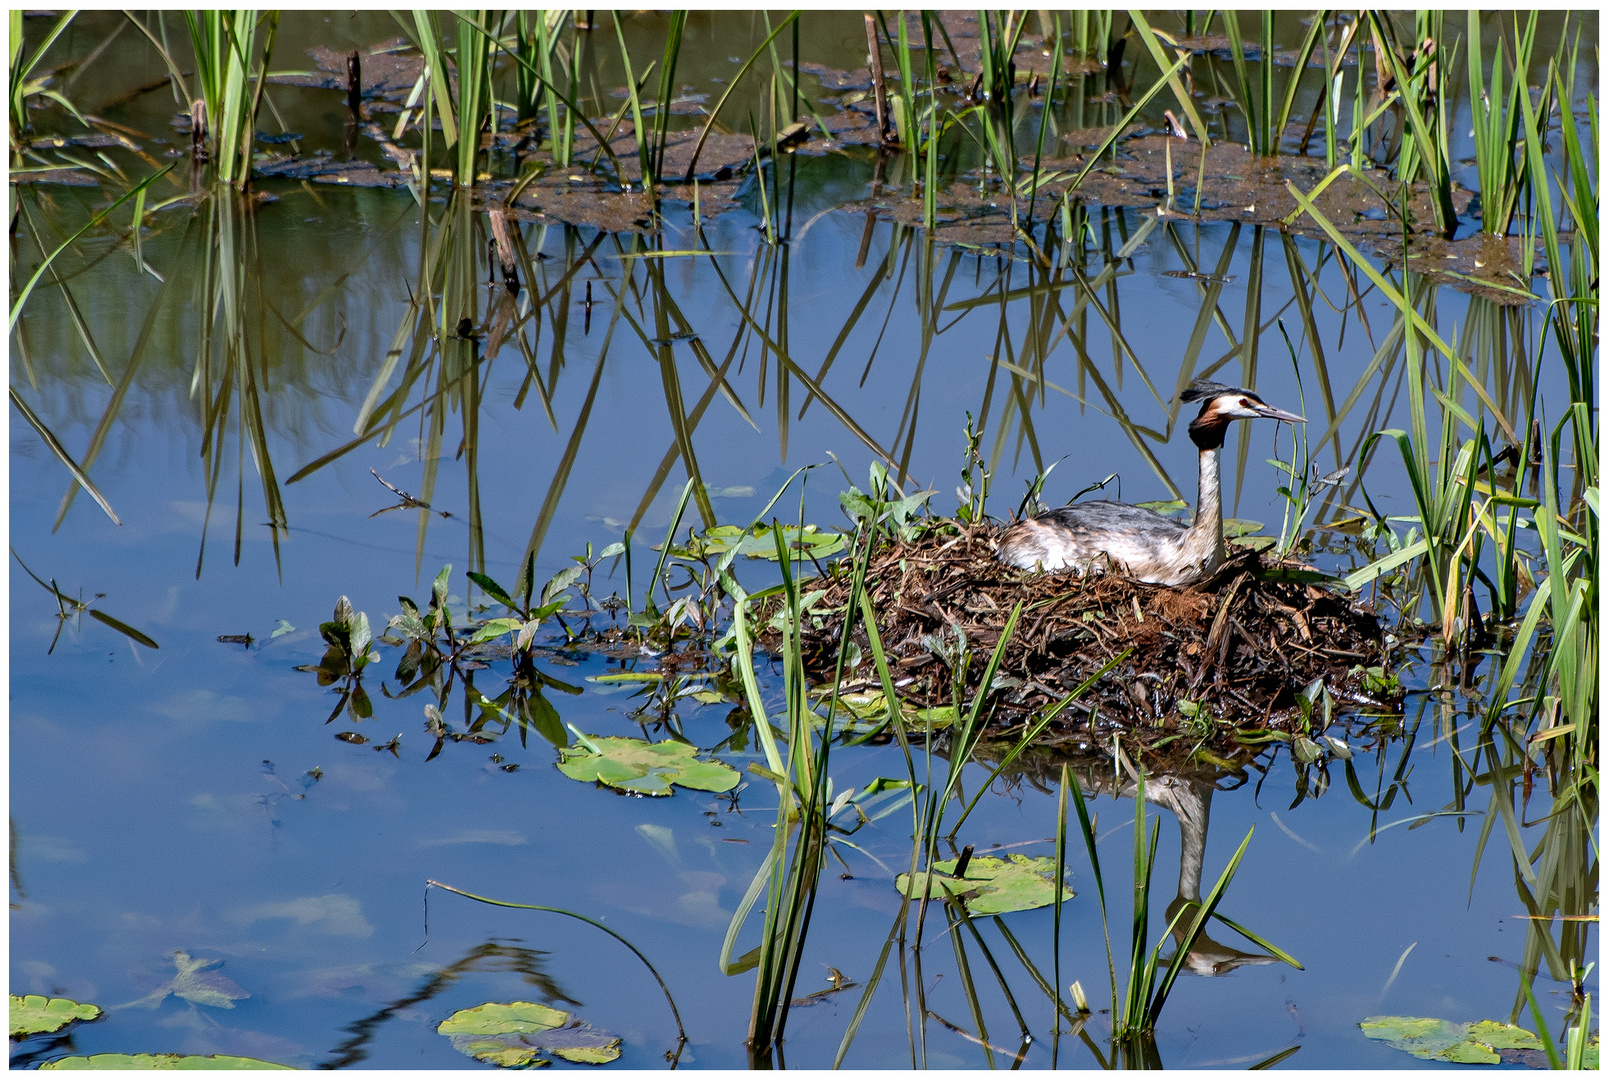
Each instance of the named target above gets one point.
<point>1230,655</point>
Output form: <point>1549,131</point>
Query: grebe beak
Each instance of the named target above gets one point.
<point>1270,413</point>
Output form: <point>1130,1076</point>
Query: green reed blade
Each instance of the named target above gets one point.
<point>720,103</point>
<point>1055,925</point>
<point>1170,76</point>
<point>1421,325</point>
<point>1430,151</point>
<point>574,112</point>
<point>969,990</point>
<point>1293,81</point>
<point>1033,731</point>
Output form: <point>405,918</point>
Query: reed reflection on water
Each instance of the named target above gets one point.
<point>954,258</point>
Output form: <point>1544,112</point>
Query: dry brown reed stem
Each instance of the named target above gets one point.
<point>874,59</point>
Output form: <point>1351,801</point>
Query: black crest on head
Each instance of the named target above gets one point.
<point>1204,390</point>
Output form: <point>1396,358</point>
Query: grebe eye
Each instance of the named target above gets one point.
<point>1244,404</point>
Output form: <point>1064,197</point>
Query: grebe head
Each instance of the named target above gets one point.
<point>1221,403</point>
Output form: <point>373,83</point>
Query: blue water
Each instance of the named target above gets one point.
<point>162,800</point>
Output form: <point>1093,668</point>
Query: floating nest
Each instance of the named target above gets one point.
<point>1229,657</point>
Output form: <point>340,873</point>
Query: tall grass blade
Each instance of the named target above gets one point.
<point>1170,75</point>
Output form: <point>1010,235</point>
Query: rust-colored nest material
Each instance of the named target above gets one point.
<point>1232,653</point>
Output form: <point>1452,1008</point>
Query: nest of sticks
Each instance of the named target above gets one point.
<point>1229,655</point>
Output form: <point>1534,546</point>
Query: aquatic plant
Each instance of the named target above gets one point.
<point>1470,432</point>
<point>1266,115</point>
<point>1500,158</point>
<point>230,79</point>
<point>23,86</point>
<point>1136,1012</point>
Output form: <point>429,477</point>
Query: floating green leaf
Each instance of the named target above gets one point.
<point>808,543</point>
<point>645,768</point>
<point>868,710</point>
<point>514,1035</point>
<point>37,1015</point>
<point>1478,1043</point>
<point>160,1061</point>
<point>992,886</point>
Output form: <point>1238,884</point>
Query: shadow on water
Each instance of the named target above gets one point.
<point>492,956</point>
<point>1052,223</point>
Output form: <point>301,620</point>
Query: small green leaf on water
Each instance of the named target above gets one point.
<point>494,1018</point>
<point>645,768</point>
<point>160,1061</point>
<point>627,676</point>
<point>492,589</point>
<point>1336,747</point>
<point>498,1052</point>
<point>1442,1040</point>
<point>1236,527</point>
<point>38,1015</point>
<point>762,544</point>
<point>284,628</point>
<point>992,886</point>
<point>561,581</point>
<point>869,709</point>
<point>1501,1036</point>
<point>494,628</point>
<point>1167,506</point>
<point>515,1034</point>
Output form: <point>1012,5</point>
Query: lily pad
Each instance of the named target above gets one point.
<point>38,1015</point>
<point>160,1061</point>
<point>515,1034</point>
<point>761,543</point>
<point>868,710</point>
<point>1479,1043</point>
<point>992,886</point>
<point>644,768</point>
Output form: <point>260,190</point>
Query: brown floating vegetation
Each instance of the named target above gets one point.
<point>1234,656</point>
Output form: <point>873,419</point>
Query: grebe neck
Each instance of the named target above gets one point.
<point>1206,532</point>
<point>1204,541</point>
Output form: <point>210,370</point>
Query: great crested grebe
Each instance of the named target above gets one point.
<point>1094,537</point>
